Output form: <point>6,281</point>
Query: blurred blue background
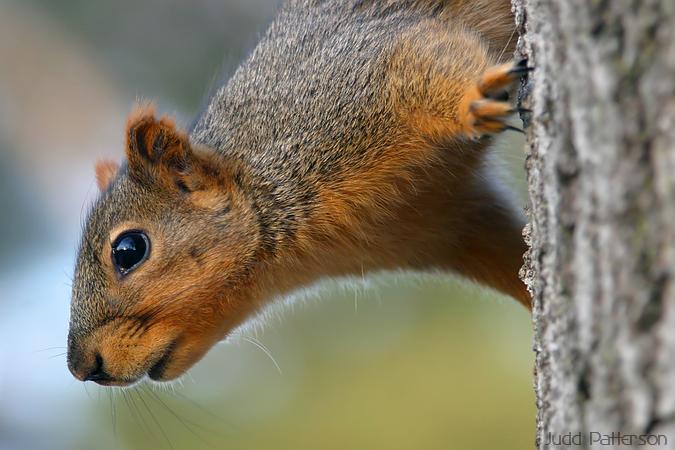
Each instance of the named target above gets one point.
<point>395,362</point>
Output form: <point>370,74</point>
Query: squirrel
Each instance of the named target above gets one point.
<point>355,138</point>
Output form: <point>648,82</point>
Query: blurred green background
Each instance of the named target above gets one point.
<point>396,362</point>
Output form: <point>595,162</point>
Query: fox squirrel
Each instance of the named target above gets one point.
<point>353,139</point>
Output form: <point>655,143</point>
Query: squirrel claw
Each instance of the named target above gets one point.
<point>488,105</point>
<point>512,128</point>
<point>520,70</point>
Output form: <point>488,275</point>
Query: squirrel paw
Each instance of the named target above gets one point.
<point>487,105</point>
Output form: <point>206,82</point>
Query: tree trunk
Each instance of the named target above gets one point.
<point>601,174</point>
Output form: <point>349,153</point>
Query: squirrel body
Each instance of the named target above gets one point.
<point>355,138</point>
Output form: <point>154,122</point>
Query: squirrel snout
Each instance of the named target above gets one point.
<point>86,365</point>
<point>82,365</point>
<point>120,353</point>
<point>87,368</point>
<point>89,364</point>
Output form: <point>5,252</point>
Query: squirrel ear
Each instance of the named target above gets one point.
<point>106,171</point>
<point>152,143</point>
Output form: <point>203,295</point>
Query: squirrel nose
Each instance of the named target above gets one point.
<point>86,368</point>
<point>96,373</point>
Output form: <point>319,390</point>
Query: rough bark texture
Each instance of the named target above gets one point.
<point>601,172</point>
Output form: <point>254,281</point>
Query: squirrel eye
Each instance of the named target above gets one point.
<point>129,250</point>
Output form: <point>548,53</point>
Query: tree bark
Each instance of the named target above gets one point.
<point>601,174</point>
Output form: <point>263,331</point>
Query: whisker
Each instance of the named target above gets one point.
<point>154,419</point>
<point>70,277</point>
<point>185,422</point>
<point>218,420</point>
<point>507,44</point>
<point>91,184</point>
<point>49,348</point>
<point>356,299</point>
<point>87,391</point>
<point>139,419</point>
<point>198,406</point>
<point>133,410</point>
<point>264,349</point>
<point>113,416</point>
<point>126,400</point>
<point>56,356</point>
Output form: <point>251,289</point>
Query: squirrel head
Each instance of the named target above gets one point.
<point>163,269</point>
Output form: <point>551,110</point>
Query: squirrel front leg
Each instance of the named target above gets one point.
<point>453,113</point>
<point>491,246</point>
